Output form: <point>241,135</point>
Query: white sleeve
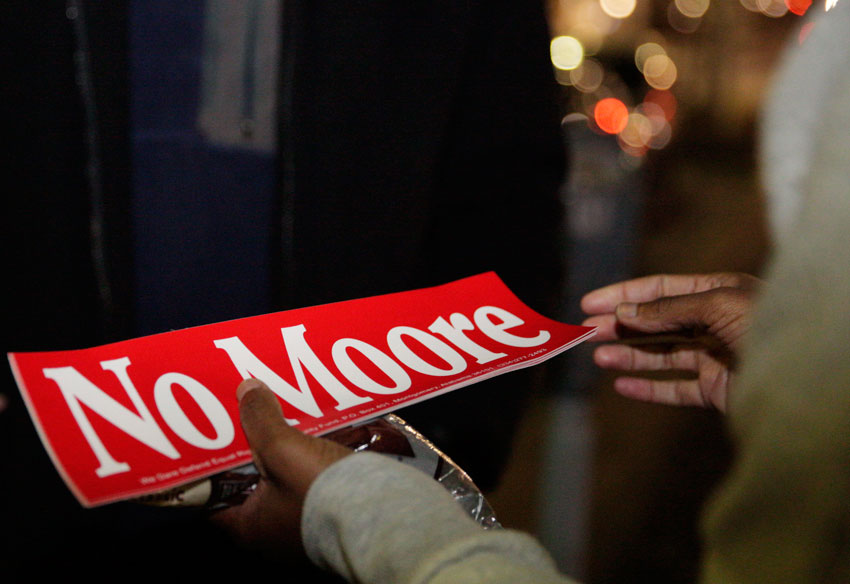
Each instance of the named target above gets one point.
<point>372,519</point>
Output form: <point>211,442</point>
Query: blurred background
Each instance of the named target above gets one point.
<point>660,102</point>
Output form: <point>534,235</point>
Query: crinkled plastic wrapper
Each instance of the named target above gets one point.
<point>388,435</point>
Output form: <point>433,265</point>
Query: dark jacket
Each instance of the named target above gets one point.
<point>421,144</point>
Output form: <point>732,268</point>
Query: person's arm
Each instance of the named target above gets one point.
<point>365,516</point>
<point>372,519</point>
<point>690,324</point>
<point>783,514</point>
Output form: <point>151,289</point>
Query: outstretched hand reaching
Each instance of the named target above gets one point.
<point>691,324</point>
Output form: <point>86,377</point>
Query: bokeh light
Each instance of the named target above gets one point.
<point>663,99</point>
<point>637,131</point>
<point>772,8</point>
<point>566,52</point>
<point>798,7</point>
<point>654,114</point>
<point>681,22</point>
<point>660,129</point>
<point>588,59</point>
<point>660,72</point>
<point>804,32</point>
<point>611,115</point>
<point>634,152</point>
<point>645,51</point>
<point>588,77</point>
<point>692,8</point>
<point>573,118</point>
<point>618,8</point>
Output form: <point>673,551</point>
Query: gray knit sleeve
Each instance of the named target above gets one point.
<point>372,519</point>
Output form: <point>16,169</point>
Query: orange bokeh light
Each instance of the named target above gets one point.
<point>798,7</point>
<point>611,115</point>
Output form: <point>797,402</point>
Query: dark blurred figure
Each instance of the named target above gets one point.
<point>175,164</point>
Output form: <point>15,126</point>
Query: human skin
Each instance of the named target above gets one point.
<point>288,461</point>
<point>688,324</point>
